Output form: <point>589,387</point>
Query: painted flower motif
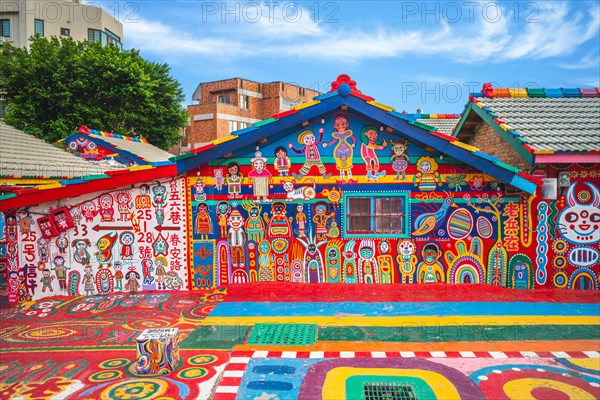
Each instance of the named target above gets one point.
<point>456,181</point>
<point>135,390</point>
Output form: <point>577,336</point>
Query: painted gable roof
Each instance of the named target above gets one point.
<point>33,171</point>
<point>345,97</point>
<point>537,121</point>
<point>138,150</point>
<point>25,156</point>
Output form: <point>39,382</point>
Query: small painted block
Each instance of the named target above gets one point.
<point>531,92</point>
<point>554,93</point>
<point>158,351</point>
<point>571,92</point>
<point>589,92</point>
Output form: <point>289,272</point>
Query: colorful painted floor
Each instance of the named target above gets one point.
<point>273,341</point>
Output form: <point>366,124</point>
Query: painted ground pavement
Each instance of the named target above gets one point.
<point>441,341</point>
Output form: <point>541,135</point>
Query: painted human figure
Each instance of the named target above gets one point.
<point>81,254</point>
<point>219,179</point>
<point>60,269</point>
<point>427,176</point>
<point>43,249</point>
<point>89,210</point>
<point>234,180</point>
<point>255,228</point>
<point>430,270</point>
<point>147,269</point>
<point>88,281</point>
<point>105,208</point>
<point>237,239</point>
<point>368,268</point>
<point>104,255</point>
<point>161,264</point>
<point>407,260</point>
<point>386,263</point>
<point>132,284</point>
<point>62,242</point>
<point>142,200</point>
<point>46,280</point>
<point>370,143</point>
<point>222,214</point>
<point>343,151</point>
<point>261,177</point>
<point>118,276</point>
<point>123,205</point>
<point>399,158</point>
<point>301,220</point>
<point>265,265</point>
<point>320,219</point>
<point>282,162</point>
<point>160,196</point>
<point>278,225</point>
<point>310,149</point>
<point>126,239</point>
<point>203,226</point>
<point>349,268</point>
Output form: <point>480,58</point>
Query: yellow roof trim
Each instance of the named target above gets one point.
<point>306,105</point>
<point>465,146</point>
<point>380,105</point>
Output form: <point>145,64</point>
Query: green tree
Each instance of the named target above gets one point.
<point>59,84</point>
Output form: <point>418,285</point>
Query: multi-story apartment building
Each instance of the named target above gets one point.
<point>231,104</point>
<point>21,19</point>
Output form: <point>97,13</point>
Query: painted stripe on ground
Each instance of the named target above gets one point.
<point>404,321</point>
<point>394,309</point>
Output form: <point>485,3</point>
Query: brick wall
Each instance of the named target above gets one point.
<point>258,108</point>
<point>486,139</point>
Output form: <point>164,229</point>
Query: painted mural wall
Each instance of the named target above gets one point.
<point>131,239</point>
<point>338,201</point>
<point>343,201</point>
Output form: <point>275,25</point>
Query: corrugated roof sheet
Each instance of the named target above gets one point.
<point>443,125</point>
<point>556,124</point>
<point>23,155</point>
<point>143,150</point>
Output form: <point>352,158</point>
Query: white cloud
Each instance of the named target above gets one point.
<point>558,31</point>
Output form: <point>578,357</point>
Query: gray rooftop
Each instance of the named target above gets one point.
<point>444,125</point>
<point>565,124</point>
<point>24,155</point>
<point>146,151</point>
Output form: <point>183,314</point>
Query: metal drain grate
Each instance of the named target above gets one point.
<point>284,334</point>
<point>388,391</point>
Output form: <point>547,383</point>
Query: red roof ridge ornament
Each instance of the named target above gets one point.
<point>343,79</point>
<point>488,90</point>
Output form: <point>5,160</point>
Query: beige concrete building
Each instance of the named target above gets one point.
<point>231,104</point>
<point>21,19</point>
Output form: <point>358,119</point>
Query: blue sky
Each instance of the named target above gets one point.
<point>406,54</point>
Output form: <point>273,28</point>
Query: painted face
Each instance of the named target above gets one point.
<point>332,253</point>
<point>127,238</point>
<point>320,209</point>
<point>366,252</point>
<point>398,149</point>
<point>340,125</point>
<point>59,261</point>
<point>278,208</point>
<point>106,201</point>
<point>263,247</point>
<point>299,208</point>
<point>430,256</point>
<point>308,140</point>
<point>254,212</point>
<point>406,247</point>
<point>384,246</point>
<point>371,134</point>
<point>222,207</point>
<point>312,248</point>
<point>259,165</point>
<point>281,154</point>
<point>236,221</point>
<point>425,167</point>
<point>233,169</point>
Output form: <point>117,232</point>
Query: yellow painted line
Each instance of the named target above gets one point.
<point>50,186</point>
<point>381,105</point>
<point>224,139</point>
<point>406,321</point>
<point>306,105</point>
<point>140,167</point>
<point>465,146</point>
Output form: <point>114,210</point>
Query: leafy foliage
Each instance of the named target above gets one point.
<point>59,84</point>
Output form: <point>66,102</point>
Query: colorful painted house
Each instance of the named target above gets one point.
<point>340,190</point>
<point>554,134</point>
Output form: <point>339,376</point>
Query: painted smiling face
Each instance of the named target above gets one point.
<point>579,221</point>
